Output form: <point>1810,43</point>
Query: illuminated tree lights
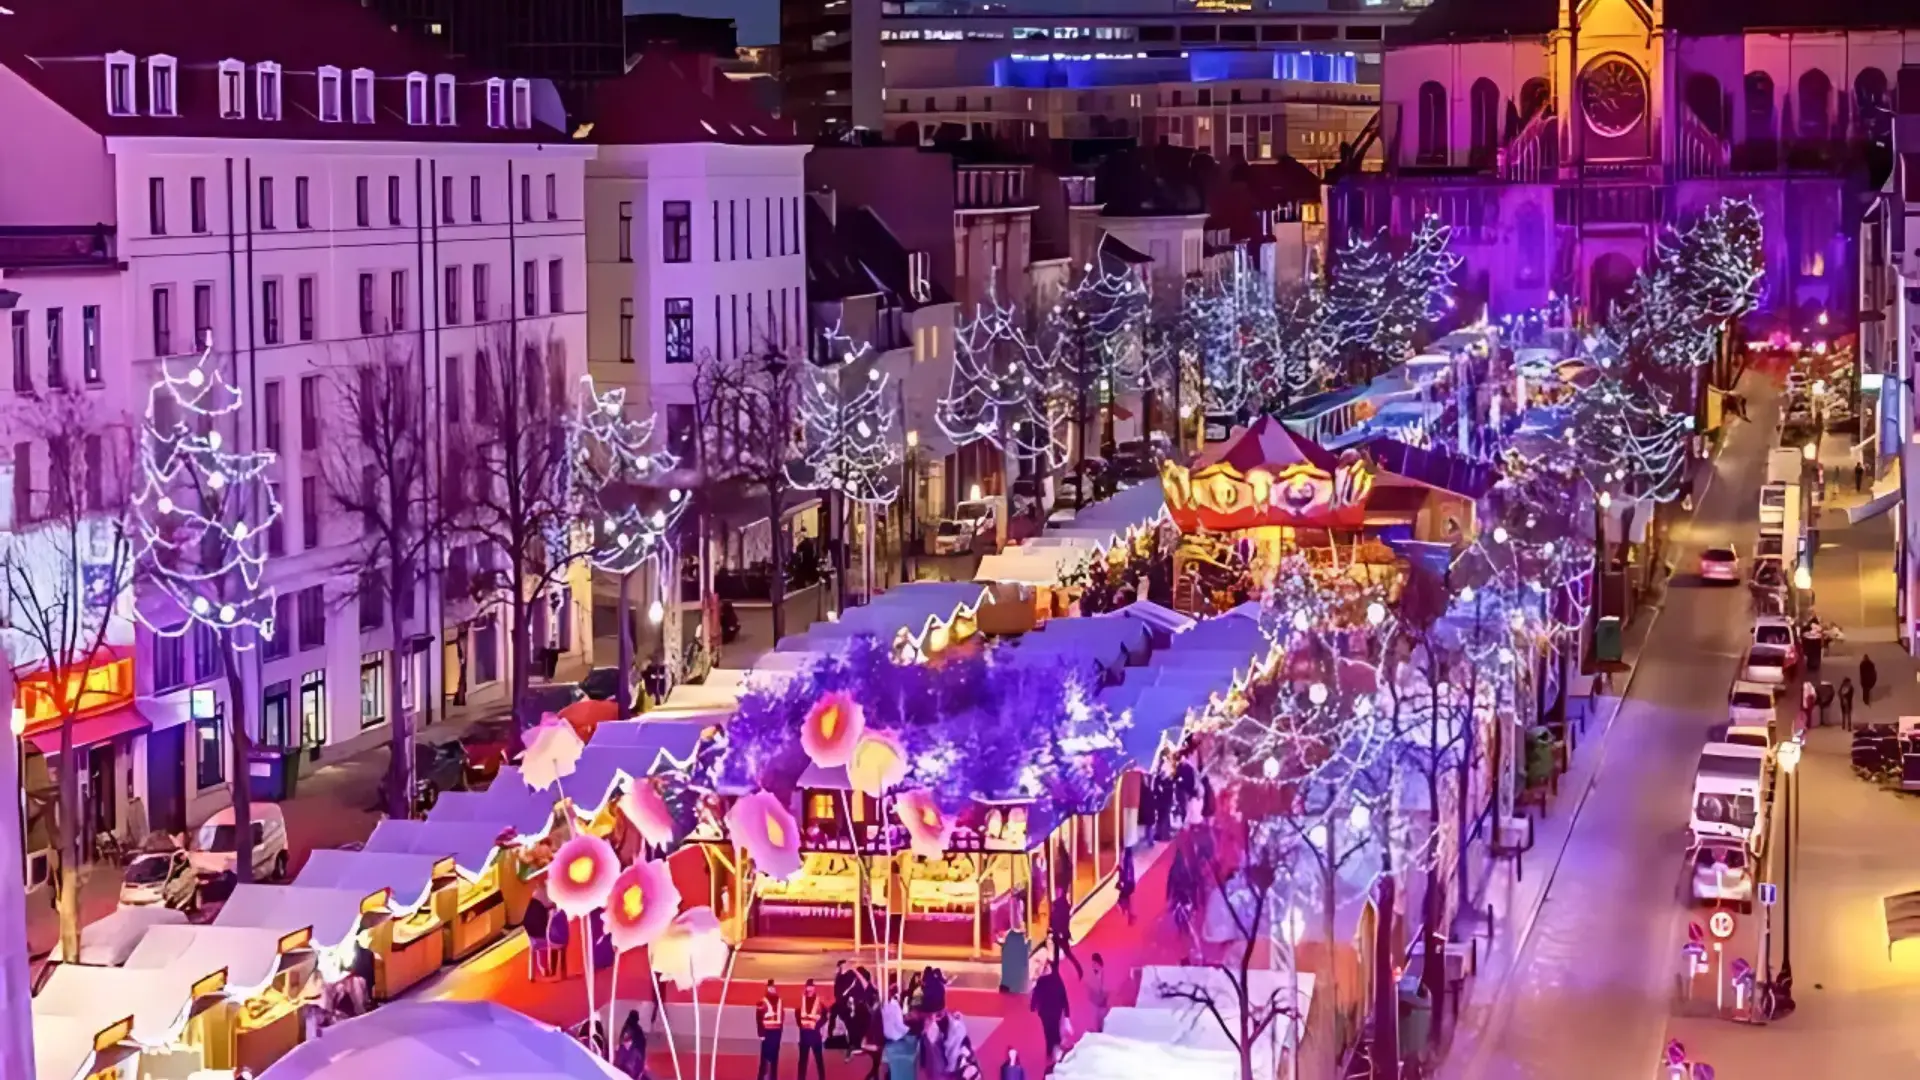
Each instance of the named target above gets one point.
<point>202,510</point>
<point>1096,332</point>
<point>848,441</point>
<point>617,460</point>
<point>1004,388</point>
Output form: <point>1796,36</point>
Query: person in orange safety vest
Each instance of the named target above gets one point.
<point>773,1017</point>
<point>812,1018</point>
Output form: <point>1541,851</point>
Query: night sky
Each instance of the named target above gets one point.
<point>759,19</point>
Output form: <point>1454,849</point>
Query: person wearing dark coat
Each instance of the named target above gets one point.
<point>1868,676</point>
<point>1206,799</point>
<point>933,991</point>
<point>1124,882</point>
<point>1011,1069</point>
<point>1060,930</point>
<point>1050,1003</point>
<point>1846,703</point>
<point>630,1054</point>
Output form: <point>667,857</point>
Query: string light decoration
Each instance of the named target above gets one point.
<point>1096,330</point>
<point>848,419</point>
<point>1631,442</point>
<point>617,461</point>
<point>1351,316</point>
<point>1296,363</point>
<point>1004,388</point>
<point>202,511</point>
<point>1718,263</point>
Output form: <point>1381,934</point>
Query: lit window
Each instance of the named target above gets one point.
<point>522,103</point>
<point>443,100</point>
<point>120,84</point>
<point>330,94</point>
<point>362,96</point>
<point>266,76</point>
<point>496,103</point>
<point>416,98</point>
<point>233,93</point>
<point>162,73</point>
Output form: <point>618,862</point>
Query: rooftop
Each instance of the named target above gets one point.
<point>1471,20</point>
<point>675,97</point>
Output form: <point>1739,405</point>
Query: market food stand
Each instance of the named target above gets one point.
<point>466,894</point>
<point>335,918</point>
<point>405,934</point>
<point>247,986</point>
<point>95,1023</point>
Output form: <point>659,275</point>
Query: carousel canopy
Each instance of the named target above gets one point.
<point>446,1040</point>
<point>1267,475</point>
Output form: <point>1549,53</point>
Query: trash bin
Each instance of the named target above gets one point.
<point>1607,644</point>
<point>272,772</point>
<point>1416,1018</point>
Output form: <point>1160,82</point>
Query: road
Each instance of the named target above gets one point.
<point>1590,997</point>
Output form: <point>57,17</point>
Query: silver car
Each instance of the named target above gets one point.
<point>1722,873</point>
<point>166,878</point>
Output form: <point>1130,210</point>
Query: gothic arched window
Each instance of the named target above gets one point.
<point>1433,124</point>
<point>1484,103</point>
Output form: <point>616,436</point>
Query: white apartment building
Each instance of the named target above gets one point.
<point>302,190</point>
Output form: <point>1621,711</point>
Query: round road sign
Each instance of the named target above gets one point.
<point>1721,924</point>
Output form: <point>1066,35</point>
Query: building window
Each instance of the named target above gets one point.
<point>210,750</point>
<point>496,103</point>
<point>22,483</point>
<point>202,315</point>
<point>393,200</point>
<point>676,235</point>
<point>716,230</point>
<point>372,611</point>
<point>526,196</point>
<point>626,329</point>
<point>482,389</point>
<point>1433,123</point>
<point>233,90</point>
<point>443,100</point>
<point>522,103</point>
<point>529,288</point>
<point>681,425</point>
<point>90,343</point>
<point>679,331</point>
<point>206,652</point>
<point>397,300</point>
<point>329,94</point>
<point>302,203</point>
<point>373,690</point>
<point>56,368</point>
<point>270,311</point>
<point>157,206</point>
<point>161,80</point>
<point>163,321</point>
<point>450,291</point>
<point>309,300</point>
<point>197,204</point>
<point>309,512</point>
<point>309,412</point>
<point>362,96</point>
<point>450,393</point>
<point>446,200</point>
<point>119,84</point>
<point>266,82</point>
<point>312,617</point>
<point>480,292</point>
<point>22,353</point>
<point>314,723</point>
<point>362,202</point>
<point>366,304</point>
<point>266,202</point>
<point>272,412</point>
<point>473,200</point>
<point>486,650</point>
<point>416,98</point>
<point>553,197</point>
<point>556,286</point>
<point>626,231</point>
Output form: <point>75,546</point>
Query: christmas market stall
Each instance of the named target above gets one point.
<point>95,1023</point>
<point>248,986</point>
<point>467,902</point>
<point>332,917</point>
<point>919,620</point>
<point>406,933</point>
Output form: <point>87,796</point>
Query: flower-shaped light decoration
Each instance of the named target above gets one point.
<point>643,902</point>
<point>642,805</point>
<point>760,826</point>
<point>553,751</point>
<point>928,828</point>
<point>878,764</point>
<point>832,729</point>
<point>582,874</point>
<point>691,950</point>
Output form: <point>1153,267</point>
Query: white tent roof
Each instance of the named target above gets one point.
<point>250,955</point>
<point>508,801</point>
<point>472,844</point>
<point>62,1047</point>
<point>367,872</point>
<point>1026,565</point>
<point>1103,1056</point>
<point>445,1040</point>
<point>109,940</point>
<point>603,767</point>
<point>332,914</point>
<point>96,997</point>
<point>719,695</point>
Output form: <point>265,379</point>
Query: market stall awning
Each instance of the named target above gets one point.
<point>332,914</point>
<point>1033,566</point>
<point>472,845</point>
<point>604,769</point>
<point>94,998</point>
<point>94,730</point>
<point>1903,919</point>
<point>442,1040</point>
<point>1886,492</point>
<point>507,803</point>
<point>109,940</point>
<point>249,955</point>
<point>62,1047</point>
<point>409,877</point>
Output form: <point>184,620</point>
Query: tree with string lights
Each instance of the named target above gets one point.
<point>1295,363</point>
<point>849,440</point>
<point>1095,332</point>
<point>203,507</point>
<point>1354,308</point>
<point>1006,390</point>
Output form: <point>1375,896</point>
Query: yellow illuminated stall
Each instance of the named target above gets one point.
<point>467,898</point>
<point>247,995</point>
<point>407,935</point>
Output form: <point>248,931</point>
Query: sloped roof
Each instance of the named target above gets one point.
<point>832,271</point>
<point>1469,20</point>
<point>59,47</point>
<point>1264,444</point>
<point>673,97</point>
<point>1432,468</point>
<point>870,241</point>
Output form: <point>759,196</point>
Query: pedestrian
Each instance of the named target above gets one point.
<point>1868,676</point>
<point>1846,703</point>
<point>1809,697</point>
<point>954,1045</point>
<point>810,1019</point>
<point>1097,993</point>
<point>933,991</point>
<point>1813,641</point>
<point>902,1051</point>
<point>1124,882</point>
<point>864,999</point>
<point>1825,700</point>
<point>1060,930</point>
<point>1050,1002</point>
<point>1859,477</point>
<point>630,1056</point>
<point>842,1005</point>
<point>773,1017</point>
<point>1011,1069</point>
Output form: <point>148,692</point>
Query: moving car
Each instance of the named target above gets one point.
<point>1777,630</point>
<point>1722,873</point>
<point>166,878</point>
<point>214,844</point>
<point>1720,564</point>
<point>1750,703</point>
<point>1765,664</point>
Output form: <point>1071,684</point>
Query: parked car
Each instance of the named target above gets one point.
<point>1135,460</point>
<point>214,845</point>
<point>548,697</point>
<point>1768,576</point>
<point>1720,564</point>
<point>1722,872</point>
<point>1777,630</point>
<point>165,878</point>
<point>1749,735</point>
<point>1771,545</point>
<point>1751,703</point>
<point>437,767</point>
<point>1765,664</point>
<point>603,683</point>
<point>488,744</point>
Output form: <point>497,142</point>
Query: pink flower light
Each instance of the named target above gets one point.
<point>642,805</point>
<point>928,828</point>
<point>691,950</point>
<point>760,826</point>
<point>644,900</point>
<point>553,752</point>
<point>581,875</point>
<point>878,764</point>
<point>832,729</point>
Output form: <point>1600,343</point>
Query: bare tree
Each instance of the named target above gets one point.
<point>521,492</point>
<point>745,409</point>
<point>68,560</point>
<point>379,468</point>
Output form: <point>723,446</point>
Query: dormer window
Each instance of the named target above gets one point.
<point>233,90</point>
<point>522,103</point>
<point>162,79</point>
<point>119,84</point>
<point>416,98</point>
<point>443,100</point>
<point>362,96</point>
<point>329,94</point>
<point>266,90</point>
<point>496,103</point>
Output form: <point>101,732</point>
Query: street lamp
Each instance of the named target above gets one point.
<point>1802,578</point>
<point>1809,451</point>
<point>1788,755</point>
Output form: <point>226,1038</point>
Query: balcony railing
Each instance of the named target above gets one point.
<point>57,246</point>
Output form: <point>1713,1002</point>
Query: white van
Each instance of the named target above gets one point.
<point>1729,793</point>
<point>1773,505</point>
<point>214,847</point>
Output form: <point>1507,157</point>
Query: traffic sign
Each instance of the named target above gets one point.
<point>1769,893</point>
<point>1721,924</point>
<point>1695,932</point>
<point>1676,1052</point>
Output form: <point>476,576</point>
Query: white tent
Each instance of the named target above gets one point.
<point>1104,1056</point>
<point>473,845</point>
<point>249,955</point>
<point>108,941</point>
<point>506,803</point>
<point>332,914</point>
<point>410,877</point>
<point>1033,564</point>
<point>94,998</point>
<point>444,1040</point>
<point>62,1047</point>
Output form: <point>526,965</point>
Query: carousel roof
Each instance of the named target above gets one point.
<point>1264,444</point>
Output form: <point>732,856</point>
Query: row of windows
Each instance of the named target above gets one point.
<point>265,209</point>
<point>1234,32</point>
<point>769,326</point>
<point>57,489</point>
<point>163,99</point>
<point>53,348</point>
